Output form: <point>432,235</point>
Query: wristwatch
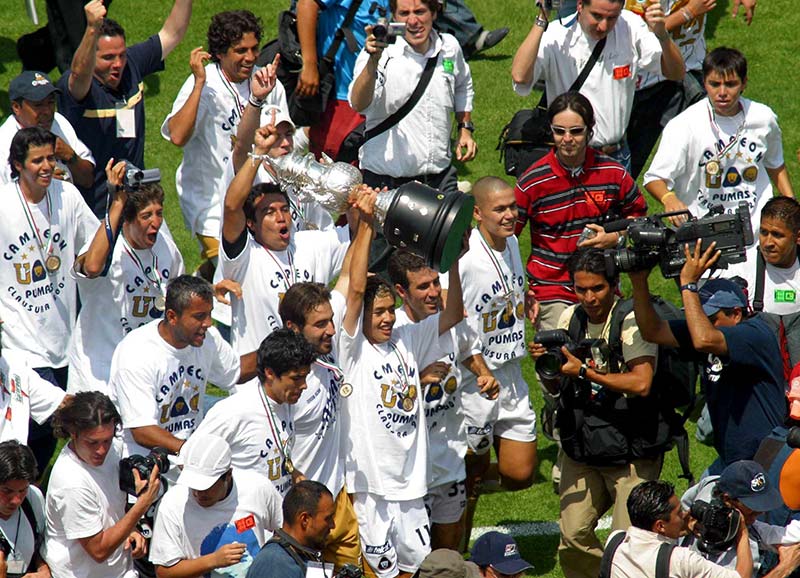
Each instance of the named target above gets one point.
<point>689,287</point>
<point>541,22</point>
<point>582,371</point>
<point>467,125</point>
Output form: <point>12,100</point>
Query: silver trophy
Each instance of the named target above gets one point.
<point>413,216</point>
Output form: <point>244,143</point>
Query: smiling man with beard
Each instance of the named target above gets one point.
<point>161,400</point>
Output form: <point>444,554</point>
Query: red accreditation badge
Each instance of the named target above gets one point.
<point>621,72</point>
<point>244,524</point>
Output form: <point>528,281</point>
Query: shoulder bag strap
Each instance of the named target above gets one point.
<point>27,509</point>
<point>401,112</point>
<point>608,554</point>
<point>662,560</point>
<point>758,296</point>
<point>340,34</point>
<point>587,68</point>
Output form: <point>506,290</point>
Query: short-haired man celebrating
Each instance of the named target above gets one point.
<point>308,513</point>
<point>257,421</point>
<point>205,115</point>
<point>215,516</point>
<point>102,95</point>
<point>161,401</point>
<point>33,103</point>
<point>557,52</point>
<point>418,285</point>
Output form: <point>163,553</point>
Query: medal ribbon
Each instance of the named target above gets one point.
<point>497,267</point>
<point>282,272</point>
<point>716,130</point>
<point>32,222</point>
<point>327,363</point>
<point>232,90</point>
<point>156,282</point>
<point>273,426</point>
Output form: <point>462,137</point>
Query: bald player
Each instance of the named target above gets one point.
<point>493,281</point>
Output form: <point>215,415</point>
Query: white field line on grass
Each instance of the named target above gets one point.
<point>531,528</point>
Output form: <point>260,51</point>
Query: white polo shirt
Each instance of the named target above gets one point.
<point>630,49</point>
<point>420,143</point>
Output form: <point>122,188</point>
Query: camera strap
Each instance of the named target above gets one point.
<point>662,559</point>
<point>758,296</point>
<point>343,33</point>
<point>583,75</point>
<point>299,553</point>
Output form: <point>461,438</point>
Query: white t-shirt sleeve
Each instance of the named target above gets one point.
<point>274,513</point>
<point>86,223</point>
<point>132,385</point>
<point>44,397</point>
<point>774,157</point>
<point>671,156</point>
<point>71,138</point>
<point>225,369</point>
<point>80,516</point>
<point>180,100</point>
<point>165,547</point>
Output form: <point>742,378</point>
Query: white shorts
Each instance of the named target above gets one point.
<point>446,503</point>
<point>395,535</point>
<point>510,416</point>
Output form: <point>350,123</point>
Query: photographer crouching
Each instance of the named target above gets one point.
<point>719,505</point>
<point>89,533</point>
<point>612,430</point>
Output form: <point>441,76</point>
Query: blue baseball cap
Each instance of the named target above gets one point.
<point>747,482</point>
<point>499,551</point>
<point>718,294</point>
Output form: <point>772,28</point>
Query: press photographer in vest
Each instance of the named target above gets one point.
<point>21,514</point>
<point>611,432</point>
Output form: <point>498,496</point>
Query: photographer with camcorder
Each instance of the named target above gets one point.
<point>648,548</point>
<point>722,507</point>
<point>742,365</point>
<point>610,422</point>
<point>89,532</point>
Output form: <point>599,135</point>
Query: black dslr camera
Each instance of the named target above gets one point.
<point>654,243</point>
<point>349,571</point>
<point>135,177</point>
<point>549,364</point>
<point>144,465</point>
<point>717,525</point>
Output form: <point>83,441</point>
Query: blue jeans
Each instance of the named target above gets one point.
<point>623,155</point>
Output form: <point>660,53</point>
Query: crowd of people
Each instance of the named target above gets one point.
<point>357,435</point>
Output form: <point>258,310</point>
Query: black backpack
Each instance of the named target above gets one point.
<point>673,388</point>
<point>662,560</point>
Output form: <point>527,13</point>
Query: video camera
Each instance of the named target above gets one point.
<point>717,525</point>
<point>144,465</point>
<point>386,31</point>
<point>134,177</point>
<point>654,243</point>
<point>549,364</point>
<point>349,571</point>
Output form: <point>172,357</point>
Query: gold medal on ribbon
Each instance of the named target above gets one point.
<point>408,404</point>
<point>52,263</point>
<point>712,168</point>
<point>161,302</point>
<point>345,390</point>
<point>287,463</point>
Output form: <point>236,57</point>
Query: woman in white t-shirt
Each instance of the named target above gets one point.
<point>21,513</point>
<point>89,533</point>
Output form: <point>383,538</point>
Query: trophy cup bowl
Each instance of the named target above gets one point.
<point>413,216</point>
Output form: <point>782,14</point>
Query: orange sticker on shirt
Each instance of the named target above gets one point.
<point>621,72</point>
<point>244,524</point>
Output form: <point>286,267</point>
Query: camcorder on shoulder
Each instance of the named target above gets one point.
<point>651,242</point>
<point>134,177</point>
<point>144,465</point>
<point>386,31</point>
<point>717,525</point>
<point>549,364</point>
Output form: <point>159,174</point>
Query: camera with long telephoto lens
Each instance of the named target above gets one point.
<point>549,364</point>
<point>651,242</point>
<point>349,571</point>
<point>717,525</point>
<point>386,31</point>
<point>144,465</point>
<point>134,177</point>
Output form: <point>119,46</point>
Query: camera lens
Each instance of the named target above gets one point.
<point>549,364</point>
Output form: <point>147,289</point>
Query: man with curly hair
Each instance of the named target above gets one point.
<point>205,116</point>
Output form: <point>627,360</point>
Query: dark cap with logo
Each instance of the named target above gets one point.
<point>31,85</point>
<point>719,294</point>
<point>747,482</point>
<point>499,551</point>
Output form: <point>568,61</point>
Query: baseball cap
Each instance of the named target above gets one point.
<point>444,563</point>
<point>747,482</point>
<point>31,85</point>
<point>719,294</point>
<point>499,551</point>
<point>280,116</point>
<point>205,458</point>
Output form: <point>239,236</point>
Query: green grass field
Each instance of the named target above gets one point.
<point>773,79</point>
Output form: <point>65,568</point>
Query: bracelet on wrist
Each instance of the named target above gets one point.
<point>666,195</point>
<point>689,287</point>
<point>255,102</point>
<point>687,15</point>
<point>542,22</point>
